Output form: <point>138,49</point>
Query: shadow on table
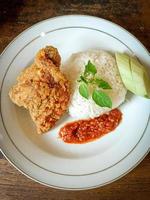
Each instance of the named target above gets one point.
<point>9,10</point>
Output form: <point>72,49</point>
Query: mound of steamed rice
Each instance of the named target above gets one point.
<point>105,63</point>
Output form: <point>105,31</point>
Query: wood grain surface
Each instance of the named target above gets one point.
<point>16,16</point>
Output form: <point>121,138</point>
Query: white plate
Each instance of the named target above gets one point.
<point>47,159</point>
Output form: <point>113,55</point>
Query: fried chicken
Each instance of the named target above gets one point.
<point>43,89</point>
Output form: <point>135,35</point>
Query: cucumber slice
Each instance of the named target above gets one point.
<point>134,75</point>
<point>140,78</point>
<point>123,63</point>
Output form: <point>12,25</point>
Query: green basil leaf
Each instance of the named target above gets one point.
<point>102,84</point>
<point>83,90</point>
<point>90,68</point>
<point>101,99</point>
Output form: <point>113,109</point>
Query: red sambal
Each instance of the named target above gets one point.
<point>82,131</point>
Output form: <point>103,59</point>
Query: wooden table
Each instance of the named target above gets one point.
<point>16,16</point>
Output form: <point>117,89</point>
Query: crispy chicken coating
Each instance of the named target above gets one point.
<point>43,89</point>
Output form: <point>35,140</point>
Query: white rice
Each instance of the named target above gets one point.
<point>105,63</point>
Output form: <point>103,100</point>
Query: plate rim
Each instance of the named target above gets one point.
<point>73,15</point>
<point>13,163</point>
<point>74,189</point>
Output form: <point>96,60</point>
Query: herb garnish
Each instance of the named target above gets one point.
<point>83,89</point>
<point>101,99</point>
<point>89,78</point>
